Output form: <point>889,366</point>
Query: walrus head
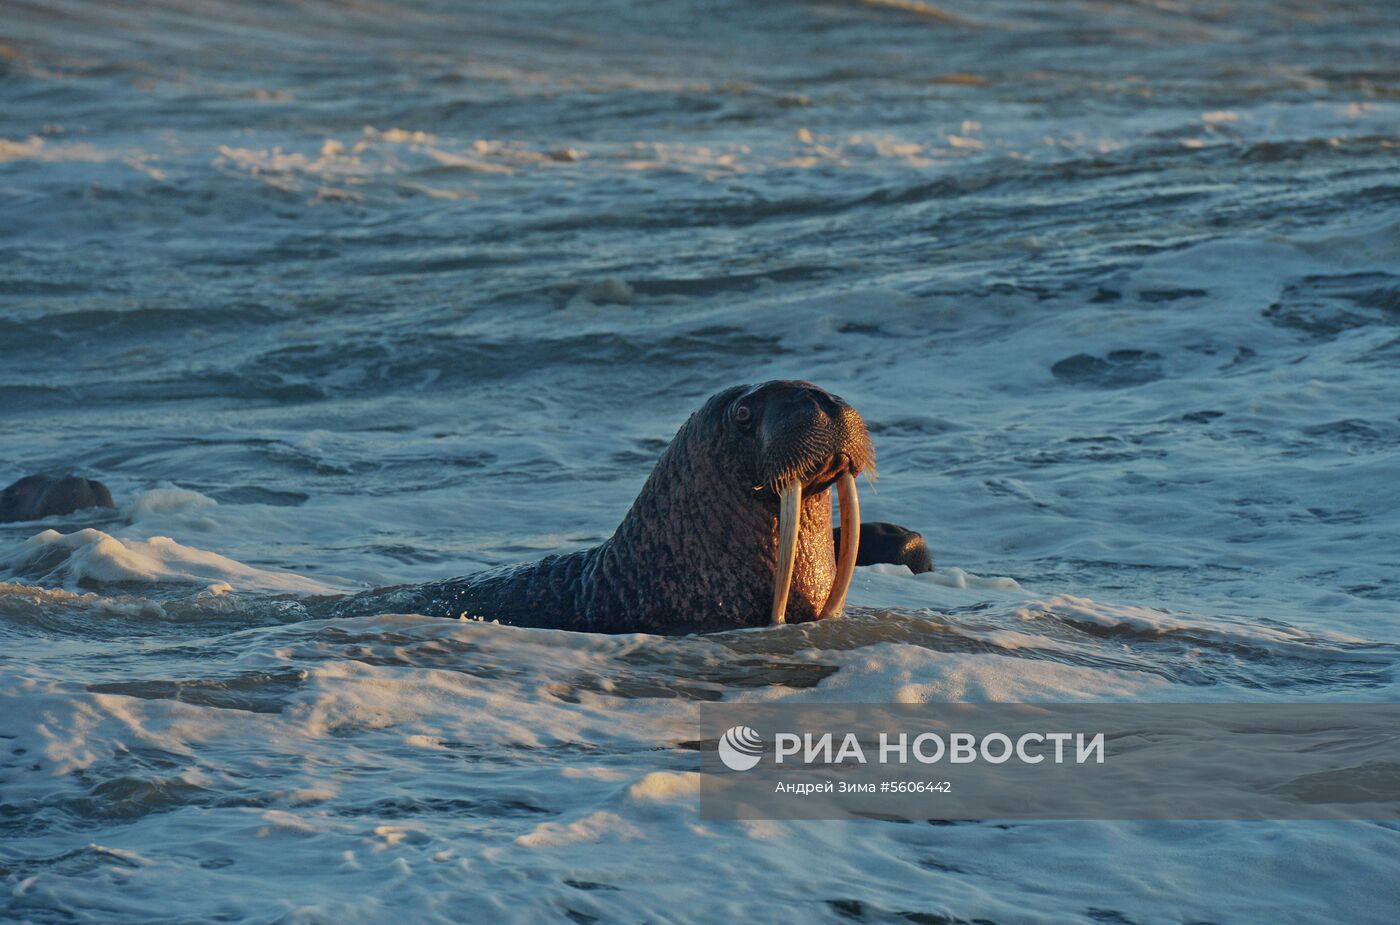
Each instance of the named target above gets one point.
<point>734,524</point>
<point>806,440</point>
<point>37,496</point>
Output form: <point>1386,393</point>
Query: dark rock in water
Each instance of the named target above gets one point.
<point>37,496</point>
<point>886,542</point>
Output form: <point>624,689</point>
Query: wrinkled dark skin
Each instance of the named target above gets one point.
<point>884,542</point>
<point>37,496</point>
<point>698,549</point>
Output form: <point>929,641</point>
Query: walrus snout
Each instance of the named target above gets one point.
<point>809,435</point>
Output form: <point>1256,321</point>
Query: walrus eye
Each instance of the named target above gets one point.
<point>743,416</point>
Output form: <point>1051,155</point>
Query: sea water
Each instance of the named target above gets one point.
<point>342,295</point>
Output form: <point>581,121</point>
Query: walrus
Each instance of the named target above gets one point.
<point>732,529</point>
<point>37,496</point>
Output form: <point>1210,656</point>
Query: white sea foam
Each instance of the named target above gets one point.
<point>91,556</point>
<point>39,149</point>
<point>165,501</point>
<point>616,830</point>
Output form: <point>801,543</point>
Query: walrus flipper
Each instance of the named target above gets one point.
<point>882,542</point>
<point>38,496</point>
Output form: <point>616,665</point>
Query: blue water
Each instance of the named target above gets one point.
<point>339,295</point>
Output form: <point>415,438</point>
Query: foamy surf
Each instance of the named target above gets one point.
<point>89,557</point>
<point>420,757</point>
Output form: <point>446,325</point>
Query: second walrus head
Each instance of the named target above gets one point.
<point>733,528</point>
<point>35,497</point>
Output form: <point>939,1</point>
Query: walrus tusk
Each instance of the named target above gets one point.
<point>850,545</point>
<point>789,524</point>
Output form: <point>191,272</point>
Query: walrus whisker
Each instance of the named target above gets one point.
<point>789,524</point>
<point>849,500</point>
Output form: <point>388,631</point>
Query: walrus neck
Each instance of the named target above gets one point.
<point>697,551</point>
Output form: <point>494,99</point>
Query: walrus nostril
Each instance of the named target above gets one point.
<point>802,404</point>
<point>828,404</point>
